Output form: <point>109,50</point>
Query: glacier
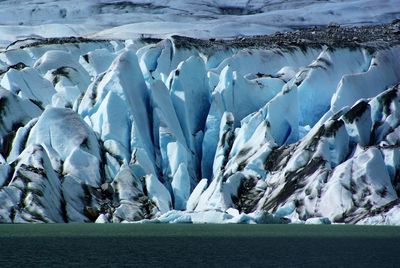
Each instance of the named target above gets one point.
<point>130,19</point>
<point>287,128</point>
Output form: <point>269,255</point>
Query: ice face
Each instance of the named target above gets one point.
<point>113,131</point>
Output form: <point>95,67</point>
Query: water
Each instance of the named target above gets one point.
<point>181,245</point>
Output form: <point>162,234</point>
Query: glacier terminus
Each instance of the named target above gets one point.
<point>290,127</point>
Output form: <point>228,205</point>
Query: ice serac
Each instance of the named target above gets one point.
<point>118,102</point>
<point>117,106</point>
<point>130,202</point>
<point>174,154</point>
<point>332,175</point>
<point>40,196</point>
<point>190,96</point>
<point>132,83</point>
<point>28,84</point>
<point>382,73</point>
<point>74,152</point>
<point>158,193</point>
<point>361,183</point>
<point>226,137</point>
<point>248,81</point>
<point>130,80</point>
<point>319,80</point>
<point>239,96</point>
<point>61,132</point>
<point>15,112</point>
<point>97,61</point>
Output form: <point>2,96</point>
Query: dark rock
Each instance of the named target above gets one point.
<point>107,189</point>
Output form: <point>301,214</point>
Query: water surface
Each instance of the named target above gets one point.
<point>181,245</point>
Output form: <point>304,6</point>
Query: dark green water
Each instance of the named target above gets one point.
<point>156,245</point>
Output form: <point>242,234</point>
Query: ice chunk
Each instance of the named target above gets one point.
<point>318,221</point>
<point>102,219</point>
<point>212,216</point>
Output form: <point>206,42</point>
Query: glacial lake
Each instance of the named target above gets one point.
<point>184,245</point>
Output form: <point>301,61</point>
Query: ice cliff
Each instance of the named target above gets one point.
<point>287,128</point>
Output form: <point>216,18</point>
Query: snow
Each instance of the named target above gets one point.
<point>216,217</point>
<point>111,122</point>
<point>359,129</point>
<point>12,57</point>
